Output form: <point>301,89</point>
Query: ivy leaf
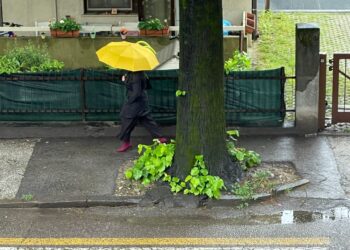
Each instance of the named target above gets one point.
<point>146,181</point>
<point>209,192</point>
<point>167,177</point>
<point>157,162</point>
<point>233,132</point>
<point>194,171</point>
<point>139,148</point>
<point>180,93</point>
<point>195,182</point>
<point>239,155</point>
<point>216,194</point>
<point>199,158</point>
<point>128,174</point>
<point>189,177</point>
<point>137,173</point>
<point>178,188</point>
<point>204,171</point>
<point>175,179</point>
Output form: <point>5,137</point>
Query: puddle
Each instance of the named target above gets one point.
<point>297,217</point>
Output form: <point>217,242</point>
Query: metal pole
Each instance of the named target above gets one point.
<point>1,17</point>
<point>140,10</point>
<point>255,12</point>
<point>82,95</point>
<point>56,10</point>
<point>267,5</point>
<point>322,92</point>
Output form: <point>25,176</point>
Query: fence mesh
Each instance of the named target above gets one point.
<point>252,98</point>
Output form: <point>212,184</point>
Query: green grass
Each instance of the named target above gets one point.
<point>27,197</point>
<point>276,45</point>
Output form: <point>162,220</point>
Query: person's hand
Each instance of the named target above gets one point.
<point>123,78</point>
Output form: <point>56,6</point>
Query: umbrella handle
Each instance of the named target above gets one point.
<point>145,44</point>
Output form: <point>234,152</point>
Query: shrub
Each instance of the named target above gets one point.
<point>240,61</point>
<point>30,58</point>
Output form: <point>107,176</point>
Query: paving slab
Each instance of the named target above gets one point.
<point>340,147</point>
<point>313,158</point>
<point>14,157</point>
<point>72,168</point>
<point>63,169</point>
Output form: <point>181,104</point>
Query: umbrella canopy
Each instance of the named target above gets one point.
<point>129,56</point>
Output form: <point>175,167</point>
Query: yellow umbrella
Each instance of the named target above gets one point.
<point>130,56</point>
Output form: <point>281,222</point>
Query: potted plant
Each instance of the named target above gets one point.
<point>66,27</point>
<point>153,27</point>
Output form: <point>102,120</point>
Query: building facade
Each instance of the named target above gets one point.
<point>116,12</point>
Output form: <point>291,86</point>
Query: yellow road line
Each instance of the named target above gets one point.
<point>164,241</point>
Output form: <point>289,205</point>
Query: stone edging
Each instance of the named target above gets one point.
<point>135,200</point>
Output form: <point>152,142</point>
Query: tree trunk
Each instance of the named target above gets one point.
<point>201,121</point>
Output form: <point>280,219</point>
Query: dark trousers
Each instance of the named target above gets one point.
<point>128,125</point>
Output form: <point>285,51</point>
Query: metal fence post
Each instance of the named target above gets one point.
<point>1,15</point>
<point>267,5</point>
<point>322,92</point>
<point>82,94</point>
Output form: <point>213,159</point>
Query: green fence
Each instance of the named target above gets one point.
<point>255,98</point>
<point>252,98</point>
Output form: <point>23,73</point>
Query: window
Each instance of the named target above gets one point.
<point>107,5</point>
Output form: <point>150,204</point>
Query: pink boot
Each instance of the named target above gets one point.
<point>124,147</point>
<point>163,140</point>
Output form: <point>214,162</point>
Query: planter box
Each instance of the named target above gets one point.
<point>60,33</point>
<point>163,32</point>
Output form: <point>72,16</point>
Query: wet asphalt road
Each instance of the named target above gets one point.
<point>258,220</point>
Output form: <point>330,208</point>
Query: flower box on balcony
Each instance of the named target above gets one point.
<point>66,27</point>
<point>162,32</point>
<point>61,33</point>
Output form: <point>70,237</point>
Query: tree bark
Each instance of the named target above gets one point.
<point>201,121</point>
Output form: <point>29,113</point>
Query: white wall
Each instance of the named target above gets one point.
<point>26,12</point>
<point>233,10</point>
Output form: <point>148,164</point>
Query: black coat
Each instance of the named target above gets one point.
<point>136,104</point>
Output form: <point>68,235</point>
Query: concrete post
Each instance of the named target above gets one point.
<point>307,77</point>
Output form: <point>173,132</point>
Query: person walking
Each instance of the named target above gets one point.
<point>136,110</point>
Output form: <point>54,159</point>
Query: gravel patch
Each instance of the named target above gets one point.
<point>279,174</point>
<point>126,187</point>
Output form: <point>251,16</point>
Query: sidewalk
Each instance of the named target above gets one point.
<point>82,169</point>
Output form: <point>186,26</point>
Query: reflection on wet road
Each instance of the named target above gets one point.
<point>295,217</point>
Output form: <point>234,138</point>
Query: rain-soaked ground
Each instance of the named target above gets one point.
<point>294,217</point>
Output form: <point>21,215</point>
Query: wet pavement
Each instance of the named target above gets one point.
<point>312,157</point>
<point>84,168</point>
<point>251,227</point>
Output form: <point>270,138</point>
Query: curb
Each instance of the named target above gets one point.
<point>334,134</point>
<point>225,200</point>
<point>116,202</point>
<point>230,200</point>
